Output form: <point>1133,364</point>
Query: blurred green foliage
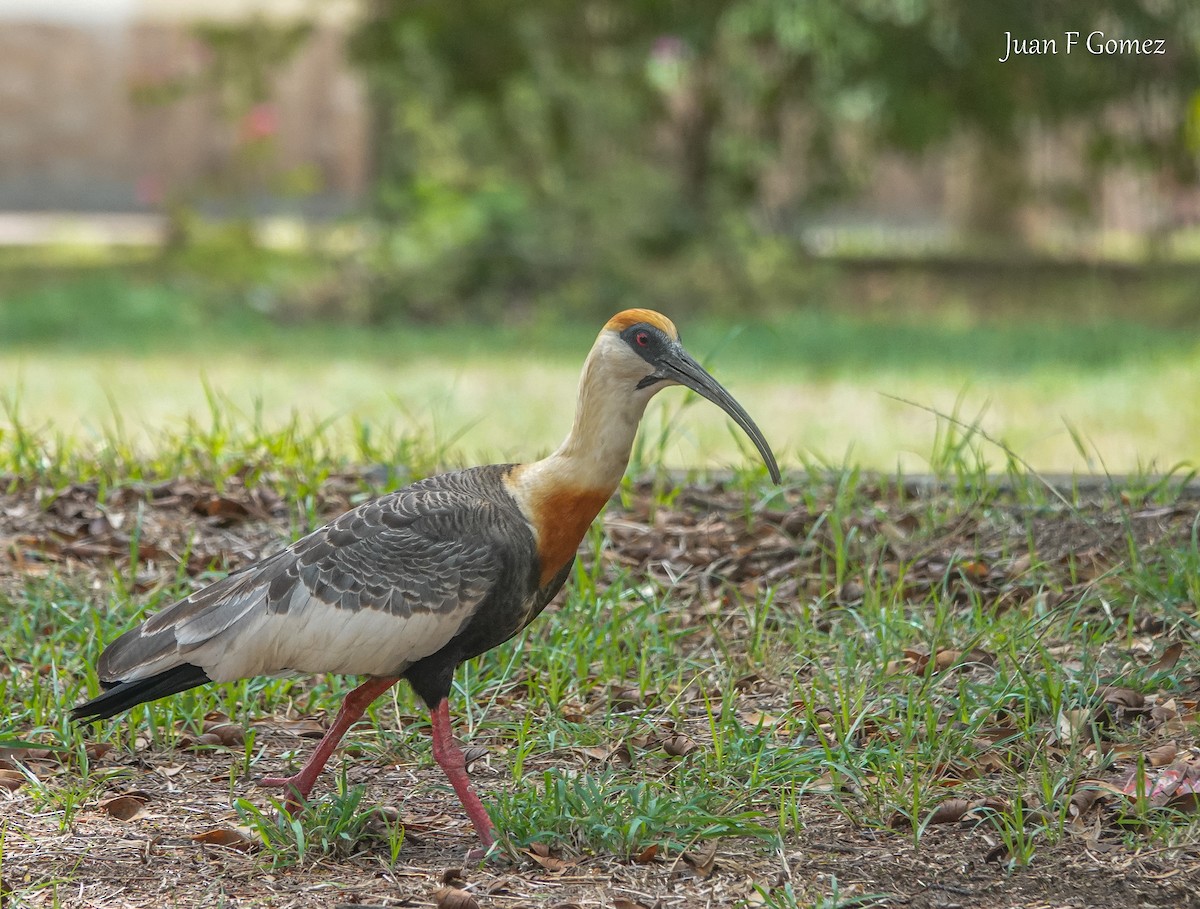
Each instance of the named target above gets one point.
<point>567,159</point>
<point>243,58</point>
<point>588,154</point>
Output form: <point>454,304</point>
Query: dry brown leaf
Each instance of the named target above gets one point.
<point>679,745</point>
<point>97,750</point>
<point>573,712</point>
<point>1169,658</point>
<point>230,837</point>
<point>452,898</point>
<point>950,658</point>
<point>1162,755</point>
<point>975,569</point>
<point>703,860</point>
<point>1074,725</point>
<point>219,506</point>
<point>1118,703</point>
<point>620,756</point>
<point>646,856</point>
<point>622,903</point>
<point>596,754</point>
<point>12,779</point>
<point>749,682</point>
<point>473,753</point>
<point>124,807</point>
<point>540,853</point>
<point>990,762</point>
<point>199,742</point>
<point>949,811</point>
<point>755,719</point>
<point>628,697</point>
<point>1172,717</point>
<point>305,727</point>
<point>1082,801</point>
<point>915,660</point>
<point>826,782</point>
<point>231,735</point>
<point>953,810</point>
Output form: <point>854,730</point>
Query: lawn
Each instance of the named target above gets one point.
<point>1052,365</point>
<point>858,688</point>
<point>842,691</point>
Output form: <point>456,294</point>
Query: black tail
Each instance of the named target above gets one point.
<point>123,695</point>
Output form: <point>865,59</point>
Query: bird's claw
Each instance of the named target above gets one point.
<point>293,802</point>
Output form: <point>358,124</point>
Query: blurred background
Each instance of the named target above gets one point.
<point>414,216</point>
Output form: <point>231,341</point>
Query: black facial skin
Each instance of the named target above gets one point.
<point>649,342</point>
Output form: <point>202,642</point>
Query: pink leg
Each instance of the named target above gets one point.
<point>450,758</point>
<point>300,784</point>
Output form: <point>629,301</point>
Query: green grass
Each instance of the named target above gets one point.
<point>836,732</point>
<point>794,686</point>
<point>1042,360</point>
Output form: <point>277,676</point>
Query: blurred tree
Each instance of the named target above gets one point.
<point>242,60</point>
<point>565,148</point>
<point>911,74</point>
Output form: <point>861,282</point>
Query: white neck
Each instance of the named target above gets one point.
<point>609,407</point>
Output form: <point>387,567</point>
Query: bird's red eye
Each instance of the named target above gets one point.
<point>642,338</point>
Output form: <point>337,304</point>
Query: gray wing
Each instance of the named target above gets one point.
<point>380,587</point>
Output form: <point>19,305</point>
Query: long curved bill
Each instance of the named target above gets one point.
<point>677,365</point>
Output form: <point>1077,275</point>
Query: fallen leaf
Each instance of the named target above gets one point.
<point>219,506</point>
<point>622,903</point>
<point>704,860</point>
<point>97,750</point>
<point>620,756</point>
<point>1168,659</point>
<point>473,753</point>
<point>229,837</point>
<point>231,735</point>
<point>949,811</point>
<point>918,662</point>
<point>199,742</point>
<point>452,898</point>
<point>1074,725</point>
<point>1162,755</point>
<point>1082,801</point>
<point>679,745</point>
<point>991,762</point>
<point>1176,786</point>
<point>628,697</point>
<point>646,856</point>
<point>573,712</point>
<point>756,719</point>
<point>123,807</point>
<point>12,779</point>
<point>305,727</point>
<point>953,810</point>
<point>540,853</point>
<point>1118,703</point>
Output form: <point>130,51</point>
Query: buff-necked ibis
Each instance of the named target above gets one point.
<point>411,584</point>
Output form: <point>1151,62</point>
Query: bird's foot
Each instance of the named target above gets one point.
<point>296,787</point>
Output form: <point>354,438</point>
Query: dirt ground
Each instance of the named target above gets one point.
<point>165,854</point>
